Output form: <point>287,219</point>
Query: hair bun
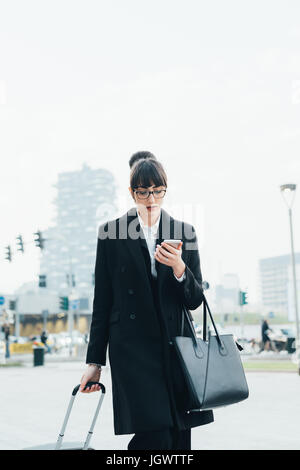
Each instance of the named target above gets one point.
<point>141,155</point>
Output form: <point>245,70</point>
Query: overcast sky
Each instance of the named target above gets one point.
<point>211,88</point>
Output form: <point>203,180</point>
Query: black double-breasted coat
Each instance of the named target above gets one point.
<point>148,387</point>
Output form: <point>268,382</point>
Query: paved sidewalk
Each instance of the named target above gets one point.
<point>33,402</point>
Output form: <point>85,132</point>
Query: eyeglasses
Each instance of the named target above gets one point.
<point>157,193</point>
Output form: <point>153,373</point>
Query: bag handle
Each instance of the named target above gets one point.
<point>185,314</point>
<point>205,308</point>
<point>205,305</point>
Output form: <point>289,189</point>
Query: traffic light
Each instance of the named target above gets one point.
<point>64,303</point>
<point>12,305</point>
<point>243,298</point>
<point>39,240</point>
<point>20,243</point>
<point>8,253</point>
<point>42,280</point>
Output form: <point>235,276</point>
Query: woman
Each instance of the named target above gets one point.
<point>140,285</point>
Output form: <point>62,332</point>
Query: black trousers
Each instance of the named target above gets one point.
<point>163,439</point>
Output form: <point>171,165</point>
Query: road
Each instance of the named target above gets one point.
<point>33,401</point>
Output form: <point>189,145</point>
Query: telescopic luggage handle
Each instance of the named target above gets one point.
<point>88,384</point>
<point>90,433</point>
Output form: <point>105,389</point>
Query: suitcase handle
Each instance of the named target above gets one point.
<point>89,384</point>
<point>90,433</point>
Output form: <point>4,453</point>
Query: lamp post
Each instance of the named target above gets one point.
<point>71,295</point>
<point>288,192</point>
<point>71,291</point>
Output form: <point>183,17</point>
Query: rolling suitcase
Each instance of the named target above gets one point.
<point>59,445</point>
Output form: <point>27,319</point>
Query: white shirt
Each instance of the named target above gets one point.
<point>150,233</point>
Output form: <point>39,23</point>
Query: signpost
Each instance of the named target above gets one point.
<point>73,305</point>
<point>2,302</point>
<point>45,314</point>
<point>242,301</point>
<point>2,344</point>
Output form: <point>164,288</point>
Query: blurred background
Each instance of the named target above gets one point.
<point>213,90</point>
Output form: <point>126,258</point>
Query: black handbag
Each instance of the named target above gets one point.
<point>212,368</point>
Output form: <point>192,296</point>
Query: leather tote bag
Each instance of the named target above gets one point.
<point>212,368</point>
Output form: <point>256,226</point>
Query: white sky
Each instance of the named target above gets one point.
<point>211,88</point>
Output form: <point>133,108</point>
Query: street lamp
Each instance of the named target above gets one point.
<point>288,192</point>
<point>71,291</point>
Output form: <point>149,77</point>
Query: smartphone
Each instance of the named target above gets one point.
<point>173,242</point>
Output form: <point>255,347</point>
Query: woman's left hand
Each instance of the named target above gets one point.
<point>170,256</point>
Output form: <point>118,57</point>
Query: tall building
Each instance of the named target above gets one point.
<point>85,199</point>
<point>276,284</point>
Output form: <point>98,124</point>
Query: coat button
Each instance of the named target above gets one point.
<point>132,316</point>
<point>130,291</point>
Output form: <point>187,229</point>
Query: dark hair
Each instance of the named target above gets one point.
<point>147,171</point>
<point>139,155</point>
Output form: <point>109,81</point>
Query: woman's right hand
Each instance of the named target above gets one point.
<point>92,374</point>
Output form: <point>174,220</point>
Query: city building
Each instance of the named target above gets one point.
<point>85,199</point>
<point>276,284</point>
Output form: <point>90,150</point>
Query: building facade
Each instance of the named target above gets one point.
<point>85,199</point>
<point>276,284</point>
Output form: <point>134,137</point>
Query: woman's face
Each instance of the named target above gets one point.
<point>149,208</point>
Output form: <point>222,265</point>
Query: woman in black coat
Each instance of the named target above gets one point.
<point>140,285</point>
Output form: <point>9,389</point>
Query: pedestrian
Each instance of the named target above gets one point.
<point>6,331</point>
<point>265,339</point>
<point>140,286</point>
<point>44,338</point>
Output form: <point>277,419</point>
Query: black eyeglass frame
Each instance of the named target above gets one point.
<point>150,192</point>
